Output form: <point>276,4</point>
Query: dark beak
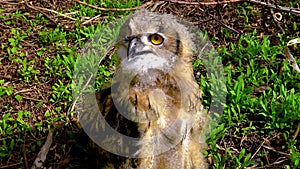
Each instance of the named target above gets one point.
<point>135,44</point>
<point>132,46</point>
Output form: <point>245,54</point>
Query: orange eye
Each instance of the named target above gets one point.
<point>156,39</point>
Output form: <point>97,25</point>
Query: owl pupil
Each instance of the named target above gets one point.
<point>156,37</point>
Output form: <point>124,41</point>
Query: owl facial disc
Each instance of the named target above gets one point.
<point>141,45</point>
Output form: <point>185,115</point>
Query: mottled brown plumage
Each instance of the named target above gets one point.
<point>155,96</point>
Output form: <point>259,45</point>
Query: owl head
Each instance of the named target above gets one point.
<point>154,41</point>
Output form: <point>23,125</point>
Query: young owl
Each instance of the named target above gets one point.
<point>154,96</point>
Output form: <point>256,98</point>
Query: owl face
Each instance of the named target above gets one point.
<point>152,41</point>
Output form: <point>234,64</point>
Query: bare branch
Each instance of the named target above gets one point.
<point>282,8</point>
<point>204,3</point>
<point>49,10</point>
<point>289,55</point>
<point>41,157</point>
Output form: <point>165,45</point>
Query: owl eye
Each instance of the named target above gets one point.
<point>156,39</point>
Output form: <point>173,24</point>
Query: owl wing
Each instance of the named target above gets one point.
<point>101,105</point>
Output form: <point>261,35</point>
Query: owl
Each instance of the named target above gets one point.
<point>154,97</point>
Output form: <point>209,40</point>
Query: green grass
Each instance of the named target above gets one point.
<point>53,61</point>
<point>276,107</point>
<point>263,90</point>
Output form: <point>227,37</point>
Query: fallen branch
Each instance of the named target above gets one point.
<point>33,99</point>
<point>8,2</point>
<point>204,3</point>
<point>10,166</point>
<point>276,151</point>
<point>257,150</point>
<point>282,8</point>
<point>35,8</point>
<point>25,156</point>
<point>41,157</point>
<point>23,91</point>
<point>115,9</point>
<point>289,55</point>
<point>90,20</point>
<point>276,163</point>
<point>49,10</point>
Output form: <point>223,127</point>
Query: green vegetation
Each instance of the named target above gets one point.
<point>260,100</point>
<point>37,59</point>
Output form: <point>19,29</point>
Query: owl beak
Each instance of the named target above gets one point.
<point>135,47</point>
<point>132,46</point>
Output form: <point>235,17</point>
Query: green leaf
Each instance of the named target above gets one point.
<point>18,97</point>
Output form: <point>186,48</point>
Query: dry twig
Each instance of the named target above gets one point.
<point>49,10</point>
<point>47,16</point>
<point>41,157</point>
<point>8,2</point>
<point>23,91</point>
<point>25,156</point>
<point>273,149</point>
<point>37,100</point>
<point>90,20</point>
<point>254,154</point>
<point>297,132</point>
<point>204,3</point>
<point>10,166</point>
<point>276,163</point>
<point>289,55</point>
<point>282,8</point>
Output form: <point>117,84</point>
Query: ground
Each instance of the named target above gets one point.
<point>40,41</point>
